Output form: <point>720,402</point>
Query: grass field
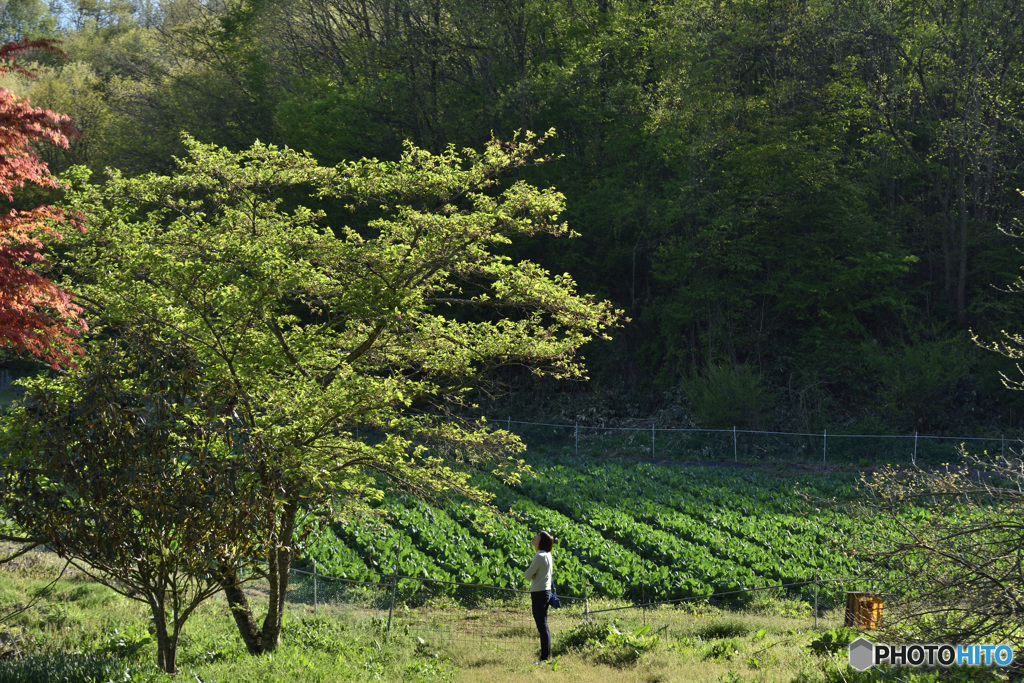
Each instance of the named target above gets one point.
<point>85,632</point>
<point>82,631</point>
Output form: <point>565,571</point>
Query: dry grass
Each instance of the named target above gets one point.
<point>712,646</point>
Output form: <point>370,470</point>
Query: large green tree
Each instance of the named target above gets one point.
<point>347,349</point>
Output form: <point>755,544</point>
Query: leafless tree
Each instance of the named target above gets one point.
<point>954,550</point>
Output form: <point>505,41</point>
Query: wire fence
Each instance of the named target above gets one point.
<point>753,446</point>
<point>436,611</point>
<point>442,612</point>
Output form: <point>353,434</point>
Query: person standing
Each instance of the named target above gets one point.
<point>539,574</point>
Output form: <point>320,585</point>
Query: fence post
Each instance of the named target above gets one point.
<point>314,586</point>
<point>586,603</point>
<point>394,587</point>
<point>652,439</point>
<point>824,444</point>
<point>915,449</point>
<point>577,437</point>
<point>735,453</point>
<point>508,425</point>
<point>643,601</point>
<point>815,602</point>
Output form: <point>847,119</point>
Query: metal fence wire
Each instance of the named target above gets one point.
<point>751,446</point>
<point>501,617</point>
<point>438,611</point>
<point>422,607</point>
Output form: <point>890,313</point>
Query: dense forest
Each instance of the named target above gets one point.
<point>805,207</point>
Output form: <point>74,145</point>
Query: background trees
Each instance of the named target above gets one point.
<point>961,553</point>
<point>752,181</point>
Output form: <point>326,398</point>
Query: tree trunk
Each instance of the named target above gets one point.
<point>279,561</point>
<point>240,610</point>
<point>171,654</point>
<point>166,647</point>
<point>279,564</point>
<point>961,283</point>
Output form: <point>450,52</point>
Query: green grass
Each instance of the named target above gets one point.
<point>82,631</point>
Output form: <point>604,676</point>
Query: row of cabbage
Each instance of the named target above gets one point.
<point>624,529</point>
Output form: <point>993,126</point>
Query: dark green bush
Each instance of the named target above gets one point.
<point>723,629</point>
<point>729,395</point>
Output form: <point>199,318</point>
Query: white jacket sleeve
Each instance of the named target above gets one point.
<point>535,566</point>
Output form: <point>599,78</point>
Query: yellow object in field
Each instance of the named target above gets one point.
<point>863,610</point>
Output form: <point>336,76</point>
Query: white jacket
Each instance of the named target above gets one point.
<point>539,572</point>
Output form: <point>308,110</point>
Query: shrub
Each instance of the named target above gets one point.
<point>722,629</point>
<point>730,395</point>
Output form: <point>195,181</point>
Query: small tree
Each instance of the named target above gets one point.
<point>955,548</point>
<point>325,334</point>
<point>36,316</point>
<point>133,468</point>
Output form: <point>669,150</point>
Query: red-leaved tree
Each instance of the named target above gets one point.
<point>36,316</point>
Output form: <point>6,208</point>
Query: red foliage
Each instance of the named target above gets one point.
<point>36,316</point>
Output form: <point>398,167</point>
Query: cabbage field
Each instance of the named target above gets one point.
<point>621,527</point>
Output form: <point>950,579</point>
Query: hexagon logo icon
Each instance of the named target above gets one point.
<point>862,654</point>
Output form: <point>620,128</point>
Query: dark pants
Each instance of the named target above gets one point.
<point>540,615</point>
